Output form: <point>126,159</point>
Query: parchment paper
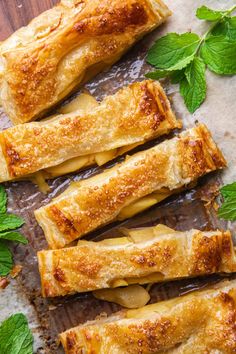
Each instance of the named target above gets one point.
<point>47,318</point>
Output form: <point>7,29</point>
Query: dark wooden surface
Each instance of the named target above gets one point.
<point>17,13</point>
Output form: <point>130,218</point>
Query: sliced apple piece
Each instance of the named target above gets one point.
<point>119,282</point>
<point>122,150</point>
<point>161,195</point>
<point>102,157</point>
<point>136,207</point>
<point>38,178</point>
<point>139,235</point>
<point>69,166</point>
<point>84,103</point>
<point>143,204</point>
<point>132,297</point>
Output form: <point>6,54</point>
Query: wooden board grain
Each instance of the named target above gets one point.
<point>17,13</point>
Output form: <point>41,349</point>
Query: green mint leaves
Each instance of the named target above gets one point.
<point>8,222</point>
<point>176,54</point>
<point>6,261</point>
<point>3,200</point>
<point>193,85</point>
<point>228,209</point>
<point>174,51</point>
<point>226,28</point>
<point>15,336</point>
<point>184,57</point>
<point>204,13</point>
<point>13,236</point>
<point>219,53</point>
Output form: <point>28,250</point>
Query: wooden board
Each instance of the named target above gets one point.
<point>17,13</point>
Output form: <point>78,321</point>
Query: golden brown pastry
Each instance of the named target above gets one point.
<point>201,322</point>
<point>94,133</point>
<point>129,187</point>
<point>62,48</point>
<point>146,255</point>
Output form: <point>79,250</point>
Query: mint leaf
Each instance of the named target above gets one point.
<point>205,13</point>
<point>219,53</point>
<point>226,28</point>
<point>174,51</point>
<point>15,336</point>
<point>177,76</point>
<point>193,85</point>
<point>13,236</point>
<point>10,222</point>
<point>157,74</point>
<point>3,200</point>
<point>182,57</point>
<point>229,190</point>
<point>6,262</point>
<point>228,209</point>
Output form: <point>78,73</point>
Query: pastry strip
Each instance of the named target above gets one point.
<point>146,255</point>
<point>42,63</point>
<point>89,204</point>
<point>201,322</point>
<point>93,133</point>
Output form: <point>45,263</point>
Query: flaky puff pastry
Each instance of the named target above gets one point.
<point>62,48</point>
<point>94,202</point>
<point>135,114</point>
<point>201,322</point>
<point>146,255</point>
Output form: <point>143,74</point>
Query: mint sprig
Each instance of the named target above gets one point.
<point>184,57</point>
<point>227,210</point>
<point>8,222</point>
<point>15,336</point>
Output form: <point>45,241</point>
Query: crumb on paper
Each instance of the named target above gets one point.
<point>4,282</point>
<point>102,315</point>
<point>216,206</point>
<point>52,307</point>
<point>16,271</point>
<point>209,193</point>
<point>57,342</point>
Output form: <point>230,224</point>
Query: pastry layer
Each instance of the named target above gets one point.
<point>146,255</point>
<point>135,114</point>
<point>94,202</point>
<point>42,63</point>
<point>201,322</point>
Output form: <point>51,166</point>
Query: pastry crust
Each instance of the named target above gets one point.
<point>146,255</point>
<point>201,322</point>
<point>66,46</point>
<point>94,202</point>
<point>135,114</point>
